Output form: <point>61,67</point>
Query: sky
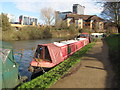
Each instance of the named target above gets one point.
<point>33,7</point>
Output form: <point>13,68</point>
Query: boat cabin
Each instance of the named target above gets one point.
<point>9,67</point>
<point>84,35</point>
<point>42,53</point>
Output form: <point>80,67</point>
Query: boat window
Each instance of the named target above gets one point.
<point>84,35</point>
<point>42,52</point>
<point>76,47</point>
<point>69,49</point>
<point>47,54</point>
<point>38,53</point>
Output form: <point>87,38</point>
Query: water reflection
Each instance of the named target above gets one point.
<point>27,49</point>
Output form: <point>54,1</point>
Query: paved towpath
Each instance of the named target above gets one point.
<point>94,70</point>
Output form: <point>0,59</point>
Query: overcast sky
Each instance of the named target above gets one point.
<point>32,7</point>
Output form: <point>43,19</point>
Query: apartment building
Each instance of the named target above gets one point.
<point>92,22</point>
<point>11,17</point>
<point>27,20</point>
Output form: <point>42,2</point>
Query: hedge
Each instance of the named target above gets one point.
<point>113,42</point>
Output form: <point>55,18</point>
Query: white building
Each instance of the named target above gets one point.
<point>78,9</point>
<point>27,20</point>
<point>11,17</point>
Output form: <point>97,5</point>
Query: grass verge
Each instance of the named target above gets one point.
<point>52,76</point>
<point>113,42</point>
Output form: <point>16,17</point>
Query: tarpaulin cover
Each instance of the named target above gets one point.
<point>84,33</point>
<point>55,53</point>
<point>9,68</point>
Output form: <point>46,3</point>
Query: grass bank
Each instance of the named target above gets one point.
<point>52,76</point>
<point>113,42</point>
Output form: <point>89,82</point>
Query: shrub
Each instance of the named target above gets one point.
<point>63,25</point>
<point>32,32</point>
<point>5,23</point>
<point>9,35</point>
<point>46,33</point>
<point>114,50</point>
<point>72,30</point>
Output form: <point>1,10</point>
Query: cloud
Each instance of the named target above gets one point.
<point>59,5</point>
<point>92,8</point>
<point>58,0</point>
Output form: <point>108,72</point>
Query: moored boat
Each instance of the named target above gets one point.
<point>49,55</point>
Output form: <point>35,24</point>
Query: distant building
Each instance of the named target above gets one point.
<point>11,18</point>
<point>27,20</point>
<point>77,17</point>
<point>78,9</point>
<point>62,15</point>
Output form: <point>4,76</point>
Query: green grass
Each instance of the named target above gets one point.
<point>113,42</point>
<point>52,76</point>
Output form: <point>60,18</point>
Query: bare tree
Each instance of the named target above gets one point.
<point>111,12</point>
<point>47,15</point>
<point>61,24</point>
<point>58,20</point>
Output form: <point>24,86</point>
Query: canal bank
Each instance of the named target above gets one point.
<point>34,33</point>
<point>94,70</point>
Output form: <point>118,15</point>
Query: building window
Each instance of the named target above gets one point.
<point>76,22</point>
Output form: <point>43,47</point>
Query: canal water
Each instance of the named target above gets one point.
<point>27,49</point>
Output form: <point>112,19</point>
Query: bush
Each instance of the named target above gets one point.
<point>32,32</point>
<point>5,23</point>
<point>113,42</point>
<point>9,35</point>
<point>46,33</point>
<point>72,30</point>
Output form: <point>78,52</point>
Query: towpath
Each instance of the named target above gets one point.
<point>94,70</point>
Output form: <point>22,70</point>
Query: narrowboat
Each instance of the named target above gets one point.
<point>49,55</point>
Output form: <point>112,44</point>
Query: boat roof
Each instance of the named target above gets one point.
<point>80,39</point>
<point>62,43</point>
<point>96,33</point>
<point>84,33</point>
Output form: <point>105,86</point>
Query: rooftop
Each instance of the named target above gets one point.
<point>84,17</point>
